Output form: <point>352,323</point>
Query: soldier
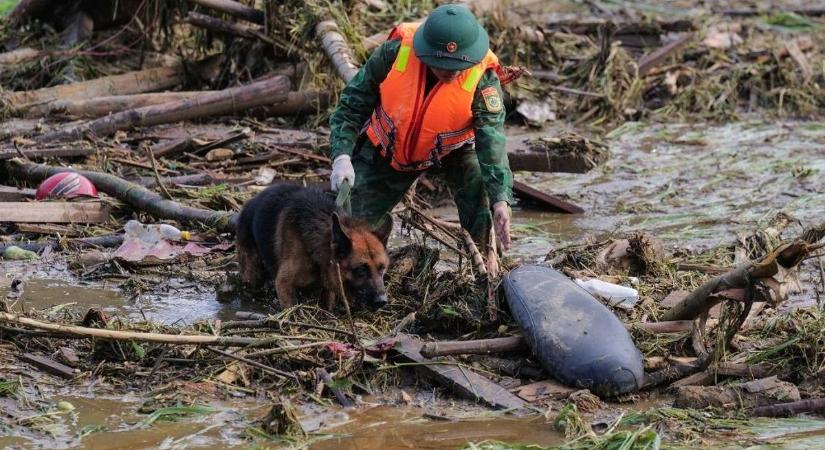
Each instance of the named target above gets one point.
<point>428,99</point>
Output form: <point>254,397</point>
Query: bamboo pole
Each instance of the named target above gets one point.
<point>475,347</point>
<point>118,335</point>
<point>337,49</point>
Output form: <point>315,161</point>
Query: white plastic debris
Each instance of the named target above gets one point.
<point>616,295</point>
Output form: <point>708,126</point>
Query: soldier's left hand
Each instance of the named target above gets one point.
<point>501,223</point>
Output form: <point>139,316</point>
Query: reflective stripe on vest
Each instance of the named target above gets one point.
<point>413,131</point>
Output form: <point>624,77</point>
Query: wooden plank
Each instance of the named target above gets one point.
<point>13,194</point>
<point>461,380</point>
<point>54,212</point>
<point>48,365</point>
<point>546,201</point>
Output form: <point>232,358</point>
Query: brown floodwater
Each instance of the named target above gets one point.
<point>692,185</point>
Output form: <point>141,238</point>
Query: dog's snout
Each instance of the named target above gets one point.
<point>382,299</point>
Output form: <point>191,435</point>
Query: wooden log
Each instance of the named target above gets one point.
<point>654,58</point>
<point>546,201</point>
<point>223,27</point>
<point>811,405</point>
<point>128,83</point>
<point>49,365</point>
<point>92,108</point>
<point>474,347</point>
<point>65,152</point>
<point>54,212</point>
<point>134,195</point>
<point>214,103</point>
<point>462,381</point>
<point>233,8</point>
<point>14,194</point>
<point>297,102</point>
<point>336,48</point>
<point>117,335</point>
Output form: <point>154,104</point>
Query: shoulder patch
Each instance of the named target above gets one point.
<point>492,100</point>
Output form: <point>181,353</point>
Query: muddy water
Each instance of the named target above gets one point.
<point>690,184</point>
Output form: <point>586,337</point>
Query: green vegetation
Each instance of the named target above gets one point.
<point>6,6</point>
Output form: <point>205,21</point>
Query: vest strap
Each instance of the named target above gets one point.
<point>402,59</point>
<point>472,79</point>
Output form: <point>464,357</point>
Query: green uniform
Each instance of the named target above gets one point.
<point>477,177</point>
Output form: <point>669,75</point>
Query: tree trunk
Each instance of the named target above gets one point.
<point>337,49</point>
<point>128,83</point>
<point>135,195</point>
<point>235,9</point>
<point>210,104</point>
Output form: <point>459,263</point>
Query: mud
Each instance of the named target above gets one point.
<point>691,185</point>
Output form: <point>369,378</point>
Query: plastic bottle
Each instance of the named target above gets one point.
<point>16,253</point>
<point>621,296</point>
<point>152,234</point>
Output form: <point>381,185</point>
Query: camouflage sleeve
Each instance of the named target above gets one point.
<point>488,121</point>
<point>358,99</point>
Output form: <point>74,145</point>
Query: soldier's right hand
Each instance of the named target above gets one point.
<point>342,170</point>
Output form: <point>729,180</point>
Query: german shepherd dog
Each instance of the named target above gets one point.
<point>295,236</point>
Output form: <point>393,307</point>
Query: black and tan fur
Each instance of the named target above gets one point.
<point>294,236</point>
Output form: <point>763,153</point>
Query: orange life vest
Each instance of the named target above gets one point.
<point>414,131</point>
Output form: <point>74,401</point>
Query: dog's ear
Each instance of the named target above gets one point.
<point>341,242</point>
<point>382,232</point>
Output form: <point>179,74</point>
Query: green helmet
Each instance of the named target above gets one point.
<point>451,39</point>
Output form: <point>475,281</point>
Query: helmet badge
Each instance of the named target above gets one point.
<point>452,47</point>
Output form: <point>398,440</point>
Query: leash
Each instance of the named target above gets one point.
<point>343,199</point>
